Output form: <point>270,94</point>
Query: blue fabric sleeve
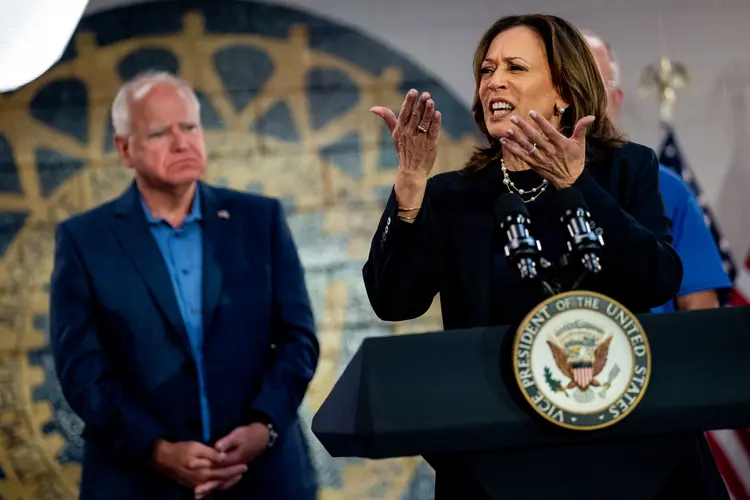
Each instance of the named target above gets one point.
<point>702,266</point>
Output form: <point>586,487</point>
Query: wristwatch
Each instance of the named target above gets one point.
<point>262,418</point>
<point>272,435</point>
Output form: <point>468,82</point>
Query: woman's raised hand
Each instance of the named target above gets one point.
<point>557,158</point>
<point>415,134</point>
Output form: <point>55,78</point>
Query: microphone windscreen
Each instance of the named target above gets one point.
<point>509,204</point>
<point>567,199</point>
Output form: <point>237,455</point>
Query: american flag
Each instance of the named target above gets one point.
<point>730,447</point>
<point>670,156</point>
<point>731,450</point>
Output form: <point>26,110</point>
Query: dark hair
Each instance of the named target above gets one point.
<point>574,73</point>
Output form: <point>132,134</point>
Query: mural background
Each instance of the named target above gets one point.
<point>285,94</point>
<point>285,99</point>
<point>708,36</point>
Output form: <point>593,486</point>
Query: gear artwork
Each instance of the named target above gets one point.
<point>285,100</point>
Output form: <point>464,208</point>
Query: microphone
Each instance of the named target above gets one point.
<point>584,243</point>
<point>522,249</point>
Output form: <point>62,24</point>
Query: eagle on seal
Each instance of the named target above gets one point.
<point>581,364</point>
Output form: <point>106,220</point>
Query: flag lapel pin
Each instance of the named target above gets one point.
<point>223,214</point>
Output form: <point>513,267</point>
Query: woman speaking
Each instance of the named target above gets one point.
<point>541,104</point>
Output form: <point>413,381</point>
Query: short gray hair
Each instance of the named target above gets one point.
<point>136,88</point>
<point>613,61</point>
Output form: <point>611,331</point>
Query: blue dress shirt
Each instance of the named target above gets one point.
<point>182,249</point>
<point>701,262</point>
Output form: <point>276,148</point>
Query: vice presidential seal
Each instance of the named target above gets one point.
<point>582,360</point>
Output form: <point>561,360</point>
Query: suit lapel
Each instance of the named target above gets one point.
<point>132,231</point>
<point>217,240</point>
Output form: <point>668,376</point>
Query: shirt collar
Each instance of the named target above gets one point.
<point>194,215</point>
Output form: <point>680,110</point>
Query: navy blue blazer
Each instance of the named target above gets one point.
<point>123,358</point>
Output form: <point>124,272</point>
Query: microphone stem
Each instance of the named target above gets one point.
<point>578,281</point>
<point>547,289</point>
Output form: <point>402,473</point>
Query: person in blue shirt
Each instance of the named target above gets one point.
<point>704,277</point>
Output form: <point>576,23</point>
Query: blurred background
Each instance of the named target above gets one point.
<point>285,89</point>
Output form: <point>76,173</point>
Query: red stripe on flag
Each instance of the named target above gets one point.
<point>738,300</point>
<point>731,479</point>
<point>743,436</point>
<point>731,448</point>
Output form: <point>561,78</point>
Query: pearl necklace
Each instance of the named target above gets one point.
<point>536,192</point>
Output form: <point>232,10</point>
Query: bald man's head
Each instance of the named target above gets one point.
<point>610,70</point>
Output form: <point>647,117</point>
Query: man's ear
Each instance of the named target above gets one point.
<point>123,148</point>
<point>617,96</point>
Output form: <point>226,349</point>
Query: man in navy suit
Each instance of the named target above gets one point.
<point>181,325</point>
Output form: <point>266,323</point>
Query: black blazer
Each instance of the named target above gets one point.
<point>451,247</point>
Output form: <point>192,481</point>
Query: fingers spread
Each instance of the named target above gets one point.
<point>553,135</point>
<point>407,107</point>
<point>434,131</point>
<point>519,138</point>
<point>427,117</point>
<point>529,133</point>
<point>520,152</point>
<point>418,111</point>
<point>579,133</point>
<point>387,115</point>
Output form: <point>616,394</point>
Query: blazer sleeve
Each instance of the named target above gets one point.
<point>400,274</point>
<point>112,418</point>
<point>296,352</point>
<point>640,268</point>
